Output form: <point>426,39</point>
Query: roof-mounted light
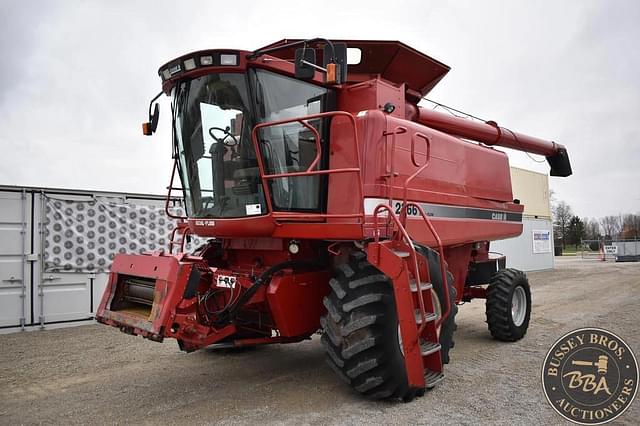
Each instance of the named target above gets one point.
<point>175,69</point>
<point>228,59</point>
<point>210,59</point>
<point>189,64</point>
<point>206,60</point>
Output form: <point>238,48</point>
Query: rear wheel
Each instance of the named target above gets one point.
<point>508,306</point>
<point>360,331</point>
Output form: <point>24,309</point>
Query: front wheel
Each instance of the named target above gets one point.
<point>508,305</point>
<point>360,330</point>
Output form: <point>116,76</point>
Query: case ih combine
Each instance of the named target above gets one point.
<point>333,202</point>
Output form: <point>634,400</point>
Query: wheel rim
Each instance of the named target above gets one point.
<point>518,306</point>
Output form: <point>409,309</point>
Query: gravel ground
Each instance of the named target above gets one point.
<point>94,374</point>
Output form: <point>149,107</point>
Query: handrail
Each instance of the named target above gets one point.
<point>390,171</point>
<point>412,254</point>
<point>443,269</point>
<point>309,172</point>
<point>180,226</point>
<point>171,188</point>
<point>316,139</point>
<point>403,216</point>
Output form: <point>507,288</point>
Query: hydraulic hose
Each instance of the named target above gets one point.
<point>228,314</point>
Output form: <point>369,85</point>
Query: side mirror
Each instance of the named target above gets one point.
<point>334,61</point>
<point>305,61</point>
<point>150,126</point>
<point>154,118</point>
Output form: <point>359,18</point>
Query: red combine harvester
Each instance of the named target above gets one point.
<point>333,202</point>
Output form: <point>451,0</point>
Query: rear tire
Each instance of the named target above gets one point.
<point>508,305</point>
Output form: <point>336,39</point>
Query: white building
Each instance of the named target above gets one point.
<point>533,249</point>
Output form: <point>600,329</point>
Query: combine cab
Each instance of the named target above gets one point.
<point>332,202</point>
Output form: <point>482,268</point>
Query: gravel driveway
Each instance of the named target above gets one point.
<point>94,374</point>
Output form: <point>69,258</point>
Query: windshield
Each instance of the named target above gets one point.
<point>218,165</point>
<point>214,117</point>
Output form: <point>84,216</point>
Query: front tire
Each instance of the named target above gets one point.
<point>508,305</point>
<point>360,333</point>
<point>360,329</point>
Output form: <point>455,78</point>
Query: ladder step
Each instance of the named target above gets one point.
<point>400,253</point>
<point>423,286</point>
<point>432,378</point>
<point>429,316</point>
<point>427,348</point>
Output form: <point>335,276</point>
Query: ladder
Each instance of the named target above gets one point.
<point>418,322</point>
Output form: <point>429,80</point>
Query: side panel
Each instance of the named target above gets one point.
<point>65,297</point>
<point>455,167</point>
<point>455,225</point>
<point>15,238</point>
<point>295,302</point>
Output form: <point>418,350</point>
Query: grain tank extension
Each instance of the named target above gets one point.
<point>331,202</point>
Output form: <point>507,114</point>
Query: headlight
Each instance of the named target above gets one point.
<point>294,248</point>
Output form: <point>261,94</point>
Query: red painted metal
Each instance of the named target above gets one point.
<point>402,235</point>
<point>392,60</point>
<point>380,163</point>
<point>405,196</point>
<point>381,254</point>
<point>489,133</point>
<point>304,291</point>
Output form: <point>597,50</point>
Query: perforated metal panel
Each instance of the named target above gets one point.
<point>56,269</point>
<point>85,235</point>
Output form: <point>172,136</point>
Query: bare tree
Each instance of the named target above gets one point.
<point>562,215</point>
<point>611,226</point>
<point>631,226</point>
<point>591,228</point>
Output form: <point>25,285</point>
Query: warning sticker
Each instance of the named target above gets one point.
<point>253,209</point>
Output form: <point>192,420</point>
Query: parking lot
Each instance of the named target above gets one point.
<point>94,374</point>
